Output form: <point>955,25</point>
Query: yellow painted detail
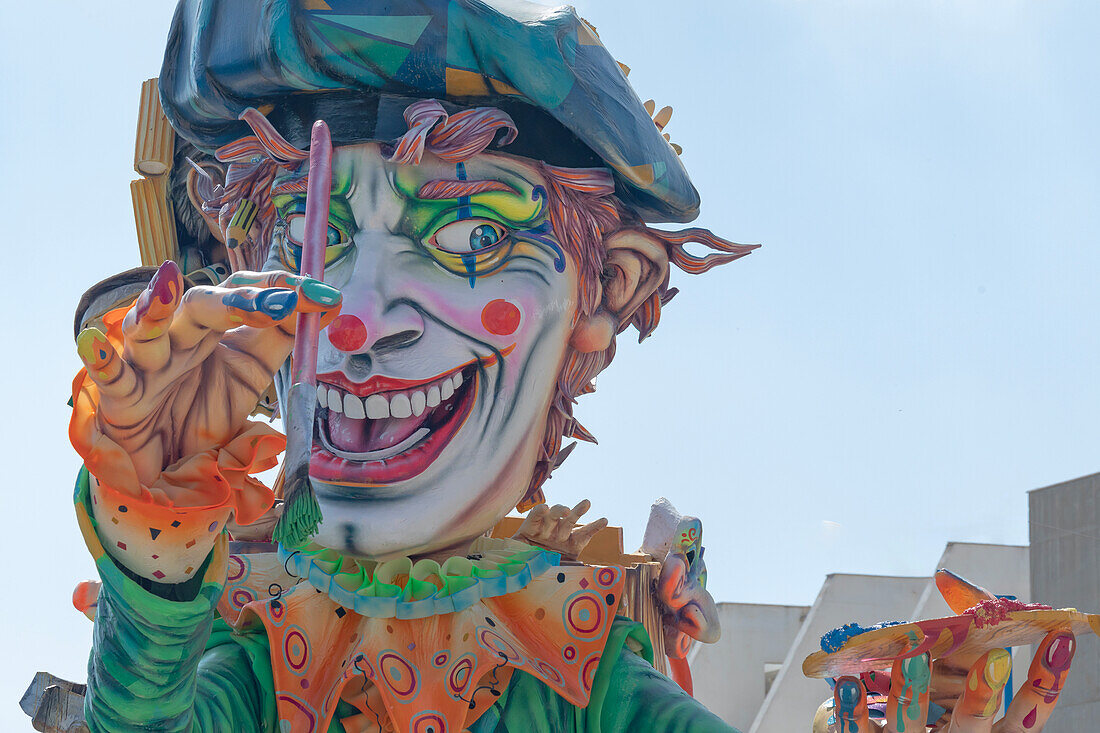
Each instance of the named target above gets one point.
<point>462,83</point>
<point>640,174</point>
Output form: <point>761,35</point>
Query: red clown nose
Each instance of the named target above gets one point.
<point>347,333</point>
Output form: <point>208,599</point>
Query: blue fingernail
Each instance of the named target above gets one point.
<point>277,303</point>
<point>849,693</point>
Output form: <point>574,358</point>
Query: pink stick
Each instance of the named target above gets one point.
<point>319,188</point>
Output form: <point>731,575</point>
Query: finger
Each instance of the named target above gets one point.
<point>557,512</point>
<point>907,705</point>
<point>850,707</point>
<point>145,327</point>
<point>583,535</point>
<point>212,309</point>
<point>316,296</point>
<point>982,694</point>
<point>272,345</point>
<point>107,370</point>
<point>1046,679</point>
<point>533,523</point>
<point>578,511</point>
<point>561,525</point>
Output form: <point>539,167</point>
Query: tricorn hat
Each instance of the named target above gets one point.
<point>358,63</point>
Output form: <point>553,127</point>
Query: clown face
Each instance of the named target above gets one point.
<point>435,381</point>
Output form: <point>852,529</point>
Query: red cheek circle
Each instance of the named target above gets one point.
<point>500,317</point>
<point>347,333</point>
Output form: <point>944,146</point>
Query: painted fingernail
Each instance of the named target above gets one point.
<point>1051,665</point>
<point>93,348</point>
<point>320,293</point>
<point>986,680</point>
<point>164,287</point>
<point>1060,652</point>
<point>849,697</point>
<point>849,691</point>
<point>277,303</point>
<point>910,680</point>
<point>998,668</point>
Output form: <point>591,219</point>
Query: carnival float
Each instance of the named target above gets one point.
<point>412,231</point>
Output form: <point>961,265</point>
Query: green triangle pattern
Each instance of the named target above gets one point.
<point>403,29</point>
<point>365,52</point>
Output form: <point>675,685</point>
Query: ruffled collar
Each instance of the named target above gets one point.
<point>430,634</point>
<point>405,589</point>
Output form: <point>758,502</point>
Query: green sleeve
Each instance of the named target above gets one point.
<point>629,695</point>
<point>161,661</point>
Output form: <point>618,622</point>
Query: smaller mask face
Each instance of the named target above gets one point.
<point>436,379</point>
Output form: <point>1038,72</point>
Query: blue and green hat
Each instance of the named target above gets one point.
<point>358,64</point>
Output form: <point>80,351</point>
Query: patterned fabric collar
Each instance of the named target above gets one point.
<point>403,589</point>
<point>426,669</point>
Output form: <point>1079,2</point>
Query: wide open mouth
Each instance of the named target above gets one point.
<point>386,430</point>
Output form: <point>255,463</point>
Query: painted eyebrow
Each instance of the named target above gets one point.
<point>292,185</point>
<point>437,190</point>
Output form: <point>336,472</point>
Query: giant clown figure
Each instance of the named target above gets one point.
<point>469,247</point>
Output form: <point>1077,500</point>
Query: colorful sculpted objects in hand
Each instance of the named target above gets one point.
<point>949,674</point>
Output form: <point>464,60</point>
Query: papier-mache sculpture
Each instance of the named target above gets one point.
<point>457,197</point>
<point>412,229</point>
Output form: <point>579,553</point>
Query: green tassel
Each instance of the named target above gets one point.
<point>301,516</point>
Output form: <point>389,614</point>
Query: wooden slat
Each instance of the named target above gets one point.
<point>156,228</point>
<point>155,137</point>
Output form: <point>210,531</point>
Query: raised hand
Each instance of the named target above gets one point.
<point>194,363</point>
<point>555,528</point>
<point>976,700</point>
<point>161,416</point>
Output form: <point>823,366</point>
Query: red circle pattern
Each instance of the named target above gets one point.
<point>583,614</point>
<point>429,722</point>
<point>459,678</point>
<point>588,671</point>
<point>296,650</point>
<point>400,676</point>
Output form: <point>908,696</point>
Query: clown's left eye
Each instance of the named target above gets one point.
<point>470,236</point>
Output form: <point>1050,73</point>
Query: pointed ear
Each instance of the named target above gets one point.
<point>636,265</point>
<point>195,183</point>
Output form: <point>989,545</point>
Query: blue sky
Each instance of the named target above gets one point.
<point>914,347</point>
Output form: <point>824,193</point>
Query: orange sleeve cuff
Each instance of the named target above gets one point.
<point>216,478</point>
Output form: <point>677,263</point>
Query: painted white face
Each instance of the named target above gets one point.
<point>436,379</point>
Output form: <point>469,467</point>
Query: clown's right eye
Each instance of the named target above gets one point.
<point>294,233</point>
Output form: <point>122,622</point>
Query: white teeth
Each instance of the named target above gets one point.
<point>378,407</point>
<point>400,406</point>
<point>353,407</point>
<point>335,401</point>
